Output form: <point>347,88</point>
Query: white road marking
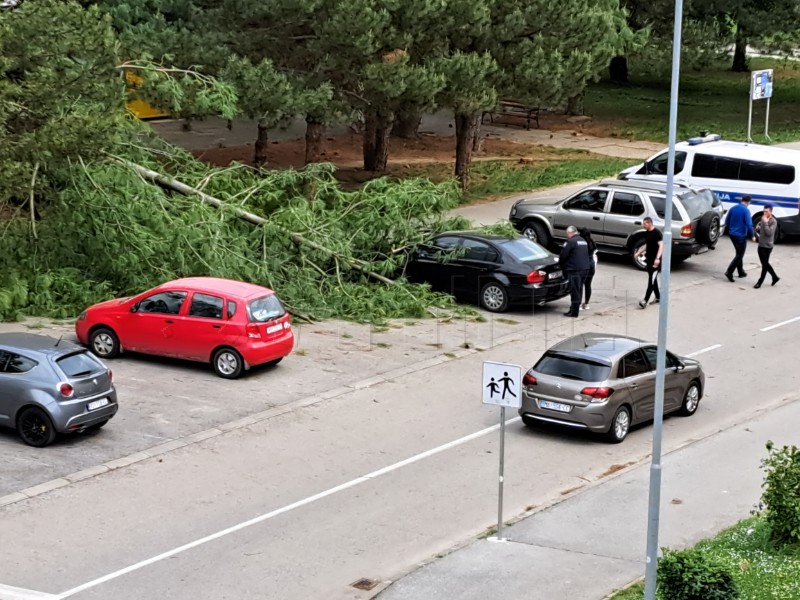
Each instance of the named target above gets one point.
<point>781,324</point>
<point>8,592</point>
<point>274,513</point>
<point>704,350</point>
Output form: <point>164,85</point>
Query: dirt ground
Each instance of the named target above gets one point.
<point>345,150</point>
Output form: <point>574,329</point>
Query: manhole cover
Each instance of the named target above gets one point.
<point>364,584</point>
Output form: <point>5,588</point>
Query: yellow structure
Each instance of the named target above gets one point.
<point>136,106</point>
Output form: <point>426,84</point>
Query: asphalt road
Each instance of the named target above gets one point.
<point>370,451</point>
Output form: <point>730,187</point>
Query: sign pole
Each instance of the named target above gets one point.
<point>501,386</point>
<point>750,118</point>
<point>766,122</point>
<point>500,477</point>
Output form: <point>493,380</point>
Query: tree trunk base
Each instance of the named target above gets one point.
<point>262,140</point>
<point>314,143</point>
<point>466,124</point>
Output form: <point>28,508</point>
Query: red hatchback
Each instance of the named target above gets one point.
<point>232,324</point>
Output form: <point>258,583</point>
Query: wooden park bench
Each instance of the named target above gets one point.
<point>512,108</point>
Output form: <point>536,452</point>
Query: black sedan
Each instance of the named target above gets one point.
<point>490,270</point>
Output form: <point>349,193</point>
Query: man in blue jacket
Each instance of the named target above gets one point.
<point>739,224</point>
<point>576,260</point>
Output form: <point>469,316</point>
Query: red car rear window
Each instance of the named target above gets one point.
<point>265,309</point>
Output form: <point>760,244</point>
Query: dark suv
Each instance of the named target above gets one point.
<point>613,211</point>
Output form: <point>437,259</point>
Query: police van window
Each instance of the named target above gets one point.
<point>717,167</point>
<point>753,170</point>
<point>658,166</point>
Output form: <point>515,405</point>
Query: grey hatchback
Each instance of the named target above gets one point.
<point>50,386</point>
<point>605,383</point>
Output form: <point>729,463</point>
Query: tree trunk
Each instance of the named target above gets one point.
<point>368,146</point>
<point>740,53</point>
<point>314,145</point>
<point>618,69</point>
<point>477,138</point>
<point>382,130</point>
<point>407,125</point>
<point>575,105</point>
<point>465,138</point>
<point>260,156</point>
<point>377,127</point>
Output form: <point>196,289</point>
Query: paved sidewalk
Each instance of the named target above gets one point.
<point>593,543</point>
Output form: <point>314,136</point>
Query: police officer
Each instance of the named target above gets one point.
<point>576,260</point>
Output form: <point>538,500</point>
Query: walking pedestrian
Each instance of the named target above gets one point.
<point>576,262</point>
<point>765,233</point>
<point>739,224</point>
<point>652,249</point>
<point>586,234</point>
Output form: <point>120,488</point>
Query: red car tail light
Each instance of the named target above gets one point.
<point>66,390</point>
<point>252,331</point>
<point>686,231</point>
<point>597,394</point>
<point>536,276</point>
<point>528,379</point>
<point>110,376</point>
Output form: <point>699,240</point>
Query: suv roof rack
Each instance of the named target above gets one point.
<point>642,184</point>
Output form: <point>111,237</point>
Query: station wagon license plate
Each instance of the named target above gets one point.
<point>97,403</point>
<point>565,408</point>
<point>554,275</point>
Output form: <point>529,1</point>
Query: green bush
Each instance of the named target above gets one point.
<point>692,575</point>
<point>780,499</point>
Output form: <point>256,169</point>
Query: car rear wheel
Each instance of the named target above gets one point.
<point>708,229</point>
<point>691,400</point>
<point>536,232</point>
<point>227,363</point>
<point>104,342</point>
<point>620,425</point>
<point>35,427</point>
<point>494,297</point>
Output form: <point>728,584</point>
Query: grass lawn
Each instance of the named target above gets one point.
<point>715,100</point>
<point>761,571</point>
<point>491,179</point>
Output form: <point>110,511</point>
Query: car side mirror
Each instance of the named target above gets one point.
<point>135,308</point>
<point>679,366</point>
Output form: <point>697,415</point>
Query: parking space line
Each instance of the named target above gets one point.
<point>781,324</point>
<point>283,510</point>
<point>8,592</point>
<point>704,350</point>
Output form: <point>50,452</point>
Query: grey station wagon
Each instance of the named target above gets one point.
<point>50,386</point>
<point>605,383</point>
<point>614,211</point>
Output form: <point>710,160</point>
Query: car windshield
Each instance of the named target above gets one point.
<point>698,203</point>
<point>572,367</point>
<point>79,364</point>
<point>524,249</point>
<point>264,309</point>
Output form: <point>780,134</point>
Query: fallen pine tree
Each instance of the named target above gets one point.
<point>118,227</point>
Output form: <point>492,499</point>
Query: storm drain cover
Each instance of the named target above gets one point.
<point>364,584</point>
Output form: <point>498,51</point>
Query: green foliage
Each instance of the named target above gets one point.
<point>692,575</point>
<point>762,569</point>
<point>60,94</point>
<point>133,235</point>
<point>780,499</point>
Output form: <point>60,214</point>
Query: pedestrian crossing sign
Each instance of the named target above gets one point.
<point>502,384</point>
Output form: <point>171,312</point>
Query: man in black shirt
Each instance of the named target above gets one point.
<point>576,262</point>
<point>652,249</point>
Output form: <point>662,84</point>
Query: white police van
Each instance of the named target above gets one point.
<point>769,175</point>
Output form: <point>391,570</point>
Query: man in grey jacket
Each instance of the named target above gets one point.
<point>765,230</point>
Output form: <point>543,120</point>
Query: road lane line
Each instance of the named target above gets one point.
<point>781,324</point>
<point>704,350</point>
<point>8,592</point>
<point>282,510</point>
